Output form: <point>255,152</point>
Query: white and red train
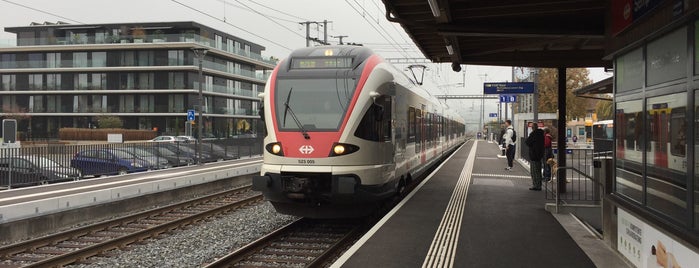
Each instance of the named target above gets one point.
<point>346,130</point>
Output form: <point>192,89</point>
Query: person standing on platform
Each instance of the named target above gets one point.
<point>510,138</point>
<point>548,153</point>
<point>502,139</point>
<point>535,142</point>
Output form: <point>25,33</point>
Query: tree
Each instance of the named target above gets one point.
<point>548,91</point>
<point>604,110</point>
<point>106,121</point>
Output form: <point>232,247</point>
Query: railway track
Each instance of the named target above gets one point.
<point>303,243</point>
<point>80,244</point>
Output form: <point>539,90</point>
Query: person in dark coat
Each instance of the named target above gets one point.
<point>548,153</point>
<point>535,142</point>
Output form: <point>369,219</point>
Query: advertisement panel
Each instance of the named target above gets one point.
<point>645,246</point>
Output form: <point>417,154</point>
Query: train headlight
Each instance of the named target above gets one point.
<point>274,148</point>
<point>339,149</point>
<point>343,149</point>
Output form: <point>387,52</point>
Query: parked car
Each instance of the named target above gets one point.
<point>107,162</point>
<point>219,152</point>
<point>189,139</point>
<point>173,158</point>
<point>154,161</point>
<point>32,170</point>
<point>190,150</point>
<point>171,139</point>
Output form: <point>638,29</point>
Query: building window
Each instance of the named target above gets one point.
<point>9,82</point>
<point>98,81</point>
<point>696,159</point>
<point>53,60</point>
<point>8,61</point>
<point>629,149</point>
<point>175,57</point>
<point>629,71</point>
<point>176,81</point>
<point>80,59</point>
<point>36,81</point>
<point>666,57</point>
<point>81,82</point>
<point>219,41</point>
<point>99,59</point>
<point>53,81</point>
<point>666,177</point>
<point>36,60</point>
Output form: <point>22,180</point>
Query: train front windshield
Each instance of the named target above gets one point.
<point>319,104</point>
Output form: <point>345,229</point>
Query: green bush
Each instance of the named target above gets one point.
<point>101,134</point>
<point>109,122</point>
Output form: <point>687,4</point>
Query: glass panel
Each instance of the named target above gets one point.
<point>53,81</point>
<point>81,81</point>
<point>36,82</point>
<point>39,104</point>
<point>696,160</point>
<point>36,60</point>
<point>629,71</point>
<point>53,60</point>
<point>9,82</point>
<point>80,59</point>
<point>629,153</point>
<point>666,159</point>
<point>666,57</point>
<point>99,59</point>
<point>319,104</point>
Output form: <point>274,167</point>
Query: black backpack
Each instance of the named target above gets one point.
<point>514,135</point>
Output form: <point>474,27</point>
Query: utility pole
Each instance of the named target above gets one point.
<point>339,37</point>
<point>199,53</point>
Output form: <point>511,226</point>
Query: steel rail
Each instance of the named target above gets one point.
<point>7,252</point>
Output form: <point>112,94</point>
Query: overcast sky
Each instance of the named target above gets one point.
<point>273,24</point>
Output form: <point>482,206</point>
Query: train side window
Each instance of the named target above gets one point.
<point>411,124</point>
<point>376,122</point>
<point>419,126</point>
<point>678,132</point>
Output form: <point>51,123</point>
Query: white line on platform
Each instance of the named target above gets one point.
<point>341,261</point>
<point>139,178</point>
<point>443,249</point>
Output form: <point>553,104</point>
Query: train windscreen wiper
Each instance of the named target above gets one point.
<point>293,116</point>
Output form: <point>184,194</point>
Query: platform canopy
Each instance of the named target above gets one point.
<point>532,33</point>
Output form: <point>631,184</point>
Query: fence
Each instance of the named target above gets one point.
<point>53,162</point>
<point>581,186</point>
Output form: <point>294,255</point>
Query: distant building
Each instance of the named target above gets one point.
<point>64,75</point>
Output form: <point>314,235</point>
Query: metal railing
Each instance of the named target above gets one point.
<point>55,161</point>
<point>580,185</point>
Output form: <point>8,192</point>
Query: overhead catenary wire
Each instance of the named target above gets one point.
<point>376,29</point>
<point>265,16</point>
<point>251,10</point>
<point>249,32</point>
<point>42,11</point>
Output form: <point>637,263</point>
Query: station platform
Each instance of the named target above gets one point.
<point>471,212</point>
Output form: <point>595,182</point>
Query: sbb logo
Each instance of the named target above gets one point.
<point>306,149</point>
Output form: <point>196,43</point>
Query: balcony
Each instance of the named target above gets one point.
<point>147,38</point>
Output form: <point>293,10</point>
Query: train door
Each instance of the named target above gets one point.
<point>659,125</point>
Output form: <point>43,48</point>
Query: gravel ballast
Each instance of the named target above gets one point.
<point>199,243</point>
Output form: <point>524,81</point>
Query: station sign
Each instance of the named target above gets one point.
<point>508,98</point>
<point>509,88</point>
<point>493,115</point>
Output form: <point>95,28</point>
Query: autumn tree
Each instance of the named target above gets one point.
<point>604,110</point>
<point>548,91</point>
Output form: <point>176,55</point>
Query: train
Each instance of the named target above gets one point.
<point>653,142</point>
<point>345,131</point>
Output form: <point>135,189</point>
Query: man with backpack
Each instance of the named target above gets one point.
<point>510,138</point>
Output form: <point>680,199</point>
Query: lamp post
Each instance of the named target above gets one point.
<point>199,53</point>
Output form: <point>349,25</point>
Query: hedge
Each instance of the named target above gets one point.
<point>101,134</point>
